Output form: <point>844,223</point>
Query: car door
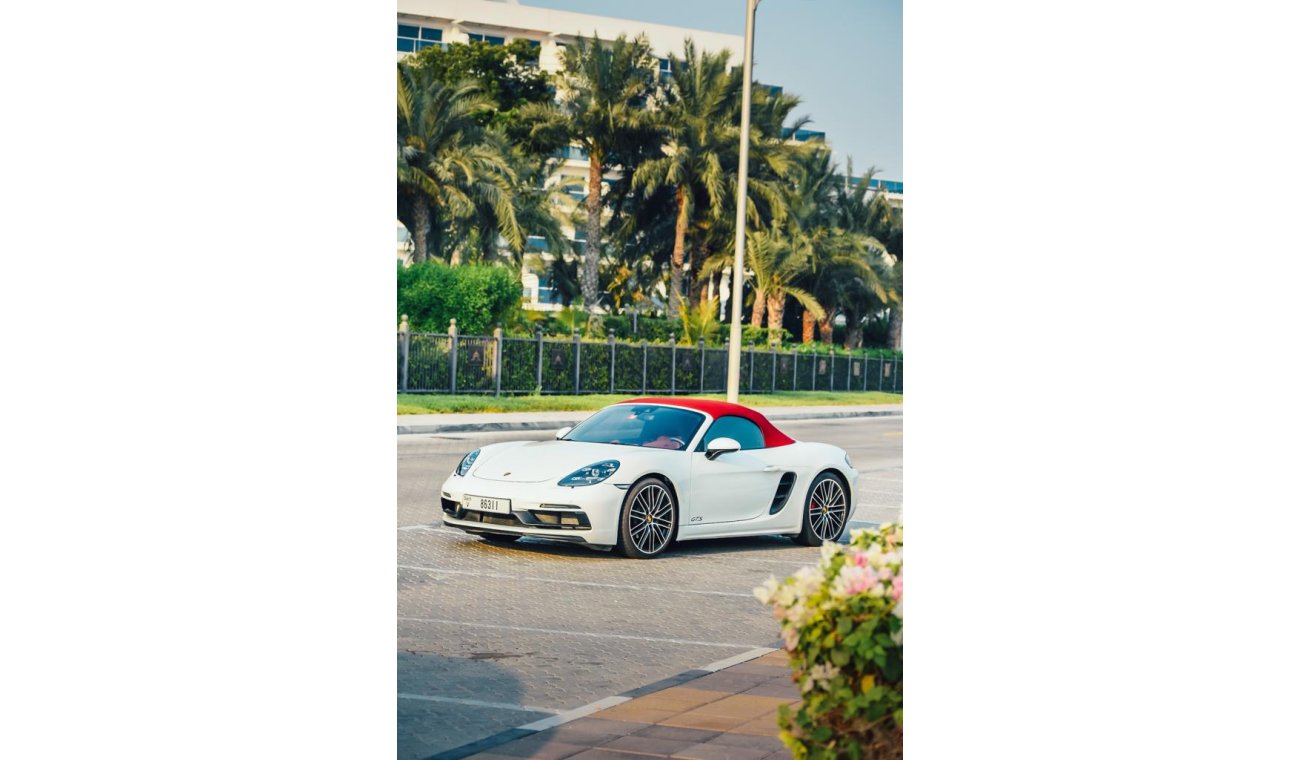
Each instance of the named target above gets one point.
<point>735,486</point>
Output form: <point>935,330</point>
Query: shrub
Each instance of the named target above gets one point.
<point>842,622</point>
<point>477,297</point>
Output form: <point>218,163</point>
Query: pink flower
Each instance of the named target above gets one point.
<point>898,586</point>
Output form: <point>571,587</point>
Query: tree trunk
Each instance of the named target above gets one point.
<point>679,258</point>
<point>852,330</point>
<point>420,235</point>
<point>825,331</point>
<point>807,326</point>
<point>775,317</point>
<point>760,308</point>
<point>896,326</point>
<point>590,271</point>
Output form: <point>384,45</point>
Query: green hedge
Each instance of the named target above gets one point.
<point>431,294</point>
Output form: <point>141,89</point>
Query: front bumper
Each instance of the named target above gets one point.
<point>582,514</point>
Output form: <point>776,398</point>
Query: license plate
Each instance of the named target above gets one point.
<point>485,504</point>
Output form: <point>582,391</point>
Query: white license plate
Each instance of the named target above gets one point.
<point>485,504</point>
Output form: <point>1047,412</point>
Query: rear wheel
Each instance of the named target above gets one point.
<point>825,511</point>
<point>648,523</point>
<point>501,538</point>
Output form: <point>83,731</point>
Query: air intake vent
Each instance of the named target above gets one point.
<point>783,490</point>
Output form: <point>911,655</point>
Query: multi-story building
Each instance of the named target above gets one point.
<point>424,23</point>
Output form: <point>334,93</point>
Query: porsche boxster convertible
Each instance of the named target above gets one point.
<point>639,475</point>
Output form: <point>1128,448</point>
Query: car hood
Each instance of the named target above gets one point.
<point>542,461</point>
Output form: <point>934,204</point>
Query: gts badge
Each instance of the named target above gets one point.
<point>697,519</point>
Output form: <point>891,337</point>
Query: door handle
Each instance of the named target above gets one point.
<point>771,468</point>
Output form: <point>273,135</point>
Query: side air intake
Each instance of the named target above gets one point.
<point>783,490</point>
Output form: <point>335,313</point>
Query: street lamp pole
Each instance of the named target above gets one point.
<point>742,195</point>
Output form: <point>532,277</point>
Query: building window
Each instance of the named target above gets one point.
<point>665,70</point>
<point>412,38</point>
<point>489,39</point>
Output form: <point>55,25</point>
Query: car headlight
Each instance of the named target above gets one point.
<point>846,460</point>
<point>591,474</point>
<point>467,462</point>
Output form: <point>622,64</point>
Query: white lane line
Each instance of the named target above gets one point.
<point>516,577</point>
<point>523,629</point>
<point>752,654</point>
<point>478,703</point>
<point>574,714</point>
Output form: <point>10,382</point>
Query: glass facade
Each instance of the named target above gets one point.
<point>488,38</point>
<point>411,38</point>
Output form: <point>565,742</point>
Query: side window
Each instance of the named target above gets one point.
<point>739,428</point>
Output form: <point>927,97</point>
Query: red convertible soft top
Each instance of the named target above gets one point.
<point>771,436</point>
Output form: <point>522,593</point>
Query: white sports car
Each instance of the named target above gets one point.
<point>639,475</point>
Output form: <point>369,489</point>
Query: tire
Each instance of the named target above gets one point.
<point>825,511</point>
<point>501,538</point>
<point>647,525</point>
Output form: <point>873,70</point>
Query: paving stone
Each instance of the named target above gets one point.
<point>720,752</point>
<point>677,733</point>
<point>648,745</point>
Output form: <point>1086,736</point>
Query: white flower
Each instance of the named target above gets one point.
<point>829,550</point>
<point>764,593</point>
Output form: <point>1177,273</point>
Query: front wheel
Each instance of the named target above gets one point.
<point>648,523</point>
<point>825,512</point>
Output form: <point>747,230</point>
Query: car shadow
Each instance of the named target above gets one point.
<point>540,547</point>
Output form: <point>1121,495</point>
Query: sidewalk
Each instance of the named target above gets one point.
<point>729,714</point>
<point>509,421</point>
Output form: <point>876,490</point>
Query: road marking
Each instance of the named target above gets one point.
<point>478,703</point>
<point>516,577</point>
<point>574,714</point>
<point>523,629</point>
<point>752,654</point>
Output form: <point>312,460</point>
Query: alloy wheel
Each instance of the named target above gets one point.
<point>650,519</point>
<point>827,510</point>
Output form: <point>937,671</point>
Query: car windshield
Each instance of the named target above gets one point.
<point>656,427</point>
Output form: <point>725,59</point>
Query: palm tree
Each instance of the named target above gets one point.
<point>449,168</point>
<point>603,93</point>
<point>777,264</point>
<point>704,94</point>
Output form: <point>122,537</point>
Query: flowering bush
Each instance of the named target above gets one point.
<point>842,622</point>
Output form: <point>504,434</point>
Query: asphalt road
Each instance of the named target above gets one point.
<point>492,637</point>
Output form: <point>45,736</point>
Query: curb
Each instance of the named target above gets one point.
<point>499,427</point>
<point>510,734</point>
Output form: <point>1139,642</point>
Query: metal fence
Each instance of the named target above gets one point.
<point>477,364</point>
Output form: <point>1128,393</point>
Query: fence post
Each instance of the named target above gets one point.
<point>701,365</point>
<point>540,349</point>
<point>645,357</point>
<point>496,361</point>
<point>751,366</point>
<point>894,372</point>
<point>864,372</point>
<point>404,334</point>
<point>611,362</point>
<point>672,375</point>
<point>881,387</point>
<point>814,369</point>
<point>455,340</point>
<point>577,364</point>
<point>832,372</point>
<point>772,347</point>
<point>794,370</point>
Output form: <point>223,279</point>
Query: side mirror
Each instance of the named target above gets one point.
<point>719,446</point>
<point>562,432</point>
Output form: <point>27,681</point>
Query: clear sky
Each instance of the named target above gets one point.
<point>843,57</point>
